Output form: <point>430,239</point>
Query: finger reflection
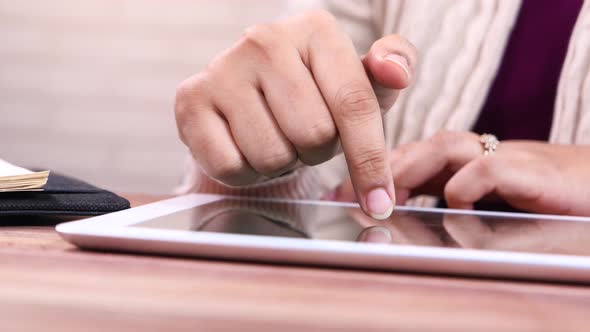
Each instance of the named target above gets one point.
<point>404,228</point>
<point>375,234</point>
<point>519,234</point>
<point>468,231</point>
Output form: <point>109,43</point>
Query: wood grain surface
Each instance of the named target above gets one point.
<point>49,285</point>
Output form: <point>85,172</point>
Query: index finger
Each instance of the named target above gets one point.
<point>347,90</point>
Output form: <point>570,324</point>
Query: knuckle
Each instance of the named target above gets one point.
<point>404,149</point>
<point>226,169</point>
<point>317,135</point>
<point>484,166</point>
<point>187,102</point>
<point>355,102</point>
<point>187,93</point>
<point>261,38</point>
<point>451,192</point>
<point>399,160</point>
<point>370,163</point>
<point>184,91</point>
<point>320,19</point>
<point>481,168</point>
<point>274,163</point>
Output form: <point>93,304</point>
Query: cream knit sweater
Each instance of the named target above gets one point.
<point>461,43</point>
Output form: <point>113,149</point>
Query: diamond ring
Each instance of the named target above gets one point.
<point>489,143</point>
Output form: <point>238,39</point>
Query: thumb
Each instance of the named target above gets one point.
<point>390,64</point>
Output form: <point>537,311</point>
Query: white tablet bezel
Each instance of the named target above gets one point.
<point>112,232</point>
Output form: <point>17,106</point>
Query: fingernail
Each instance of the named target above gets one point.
<point>400,61</point>
<point>379,204</point>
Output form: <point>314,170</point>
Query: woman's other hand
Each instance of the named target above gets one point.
<point>288,92</point>
<point>528,175</point>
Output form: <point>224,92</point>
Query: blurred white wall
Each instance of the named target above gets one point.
<point>87,86</point>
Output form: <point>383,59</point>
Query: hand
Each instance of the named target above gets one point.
<point>288,92</point>
<point>532,176</point>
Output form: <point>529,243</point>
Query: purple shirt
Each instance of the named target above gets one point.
<point>521,100</point>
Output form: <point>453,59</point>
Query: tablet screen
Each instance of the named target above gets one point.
<point>503,232</point>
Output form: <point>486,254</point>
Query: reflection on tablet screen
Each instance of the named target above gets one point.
<point>334,222</point>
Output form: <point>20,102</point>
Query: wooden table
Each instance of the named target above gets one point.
<point>49,285</point>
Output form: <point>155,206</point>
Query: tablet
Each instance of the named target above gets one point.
<point>442,241</point>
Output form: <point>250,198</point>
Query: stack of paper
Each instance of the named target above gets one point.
<point>14,178</point>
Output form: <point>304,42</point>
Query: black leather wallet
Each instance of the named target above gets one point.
<point>62,196</point>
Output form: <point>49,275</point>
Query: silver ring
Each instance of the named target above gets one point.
<point>489,143</point>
